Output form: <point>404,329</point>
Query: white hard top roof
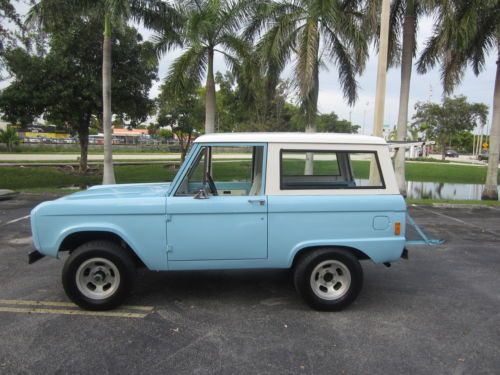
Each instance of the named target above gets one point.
<point>290,138</point>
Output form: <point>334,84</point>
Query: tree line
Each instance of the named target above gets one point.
<point>259,38</point>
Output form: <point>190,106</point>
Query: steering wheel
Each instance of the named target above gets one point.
<point>211,185</point>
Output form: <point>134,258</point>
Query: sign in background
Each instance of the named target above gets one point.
<point>46,135</point>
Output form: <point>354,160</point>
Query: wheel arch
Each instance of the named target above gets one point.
<point>77,238</point>
<point>360,255</point>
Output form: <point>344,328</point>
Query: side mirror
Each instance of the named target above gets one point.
<point>201,194</point>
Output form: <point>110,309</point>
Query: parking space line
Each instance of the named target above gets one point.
<point>36,310</point>
<point>68,308</point>
<point>146,309</point>
<point>16,220</point>
<point>459,220</point>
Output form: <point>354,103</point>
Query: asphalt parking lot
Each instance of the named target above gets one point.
<point>437,313</point>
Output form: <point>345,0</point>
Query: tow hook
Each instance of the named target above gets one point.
<point>404,255</point>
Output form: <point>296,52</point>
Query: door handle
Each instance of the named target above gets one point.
<point>261,202</point>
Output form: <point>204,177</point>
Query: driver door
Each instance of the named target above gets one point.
<point>219,210</point>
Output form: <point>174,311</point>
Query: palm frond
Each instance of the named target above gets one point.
<point>236,52</point>
<point>280,40</point>
<point>396,21</point>
<point>268,13</point>
<point>117,9</point>
<point>235,45</point>
<point>156,14</point>
<point>188,69</point>
<point>430,54</point>
<point>452,70</point>
<point>307,57</point>
<point>341,56</point>
<point>55,14</point>
<point>234,13</point>
<point>483,39</point>
<point>168,36</point>
<point>347,25</point>
<point>463,34</point>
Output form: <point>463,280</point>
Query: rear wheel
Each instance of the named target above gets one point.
<point>98,275</point>
<point>328,279</point>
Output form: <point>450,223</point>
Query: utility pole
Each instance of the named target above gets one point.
<point>382,69</point>
<point>378,130</point>
<point>474,155</point>
<point>480,149</point>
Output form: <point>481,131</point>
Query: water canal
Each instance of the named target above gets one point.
<point>437,190</point>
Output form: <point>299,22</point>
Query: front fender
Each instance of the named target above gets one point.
<point>145,234</point>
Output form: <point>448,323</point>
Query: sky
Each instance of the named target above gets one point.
<point>423,87</point>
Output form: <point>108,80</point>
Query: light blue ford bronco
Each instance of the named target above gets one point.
<point>316,203</point>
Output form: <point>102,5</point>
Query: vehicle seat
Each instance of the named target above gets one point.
<point>256,185</point>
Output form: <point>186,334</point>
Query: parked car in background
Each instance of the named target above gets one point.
<point>451,154</point>
<point>314,203</point>
<point>484,156</point>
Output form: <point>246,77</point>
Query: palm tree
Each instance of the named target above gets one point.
<point>54,14</point>
<point>312,32</point>
<point>465,32</point>
<point>404,21</point>
<point>210,26</point>
<point>10,137</point>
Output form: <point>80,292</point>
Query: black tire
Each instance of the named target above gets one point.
<point>336,262</point>
<point>106,258</point>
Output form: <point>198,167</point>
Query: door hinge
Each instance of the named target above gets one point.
<point>170,248</point>
<point>169,218</point>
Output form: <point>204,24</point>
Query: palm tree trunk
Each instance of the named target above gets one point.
<point>108,175</point>
<point>443,147</point>
<point>312,109</point>
<point>491,189</point>
<point>210,95</point>
<point>83,136</point>
<point>404,95</point>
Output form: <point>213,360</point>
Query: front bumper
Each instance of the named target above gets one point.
<point>34,256</point>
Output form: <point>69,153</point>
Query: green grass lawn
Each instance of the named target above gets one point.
<point>50,178</point>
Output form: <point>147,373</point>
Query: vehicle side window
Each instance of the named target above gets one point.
<point>232,170</point>
<point>195,177</point>
<point>320,169</point>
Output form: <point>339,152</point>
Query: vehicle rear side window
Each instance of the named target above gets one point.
<point>320,169</point>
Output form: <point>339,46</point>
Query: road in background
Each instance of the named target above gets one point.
<point>162,156</point>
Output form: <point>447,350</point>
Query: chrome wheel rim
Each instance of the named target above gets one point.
<point>330,279</point>
<point>97,278</point>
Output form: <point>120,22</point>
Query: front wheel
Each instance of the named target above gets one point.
<point>328,279</point>
<point>98,275</point>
